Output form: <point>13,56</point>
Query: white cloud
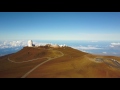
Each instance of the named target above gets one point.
<point>104,52</point>
<point>11,44</point>
<point>38,44</point>
<point>89,47</point>
<point>16,48</point>
<point>84,51</point>
<point>17,43</point>
<point>94,41</point>
<point>115,45</point>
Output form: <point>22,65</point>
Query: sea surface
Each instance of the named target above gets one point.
<point>94,47</point>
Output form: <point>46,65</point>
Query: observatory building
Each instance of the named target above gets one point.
<point>30,43</point>
<point>55,46</point>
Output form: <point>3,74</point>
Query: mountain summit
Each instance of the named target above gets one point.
<point>61,62</point>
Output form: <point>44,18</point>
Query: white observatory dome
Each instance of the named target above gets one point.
<point>55,46</point>
<point>30,43</point>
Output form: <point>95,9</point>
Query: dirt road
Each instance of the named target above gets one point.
<point>25,75</point>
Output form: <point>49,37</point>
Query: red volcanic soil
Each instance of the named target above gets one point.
<point>63,62</point>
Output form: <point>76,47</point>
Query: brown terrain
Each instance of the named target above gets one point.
<point>65,62</point>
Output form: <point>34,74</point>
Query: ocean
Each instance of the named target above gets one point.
<point>93,47</point>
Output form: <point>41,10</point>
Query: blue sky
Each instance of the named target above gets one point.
<point>60,25</point>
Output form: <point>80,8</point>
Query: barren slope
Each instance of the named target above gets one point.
<point>73,64</point>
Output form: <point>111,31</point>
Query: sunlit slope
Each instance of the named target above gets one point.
<point>65,62</point>
<point>76,64</point>
<point>21,62</point>
<point>29,53</point>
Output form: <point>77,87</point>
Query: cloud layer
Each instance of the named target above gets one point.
<point>87,47</point>
<point>12,44</point>
<point>15,44</point>
<point>115,45</point>
<point>7,47</point>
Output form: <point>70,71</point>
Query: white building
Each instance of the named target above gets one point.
<point>55,46</point>
<point>61,45</point>
<point>30,43</point>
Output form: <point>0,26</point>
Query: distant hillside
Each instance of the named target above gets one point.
<point>64,62</point>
